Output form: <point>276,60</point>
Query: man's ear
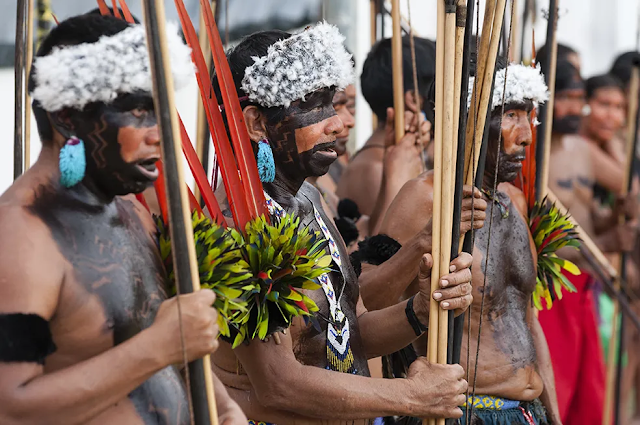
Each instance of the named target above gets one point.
<point>62,123</point>
<point>256,123</point>
<point>410,102</point>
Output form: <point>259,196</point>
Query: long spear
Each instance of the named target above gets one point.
<point>465,15</point>
<point>433,340</point>
<point>598,262</point>
<point>617,338</point>
<point>202,133</point>
<point>199,372</point>
<point>396,63</point>
<point>27,103</point>
<point>543,148</point>
<point>19,89</point>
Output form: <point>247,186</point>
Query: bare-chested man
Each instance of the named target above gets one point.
<point>318,371</point>
<point>86,333</point>
<point>362,180</point>
<point>514,375</point>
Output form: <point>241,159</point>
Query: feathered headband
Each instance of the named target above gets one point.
<point>523,83</point>
<point>299,65</point>
<point>73,76</point>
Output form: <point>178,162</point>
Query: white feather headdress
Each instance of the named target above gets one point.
<point>299,65</point>
<point>523,83</point>
<point>73,76</point>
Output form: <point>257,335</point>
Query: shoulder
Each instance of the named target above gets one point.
<point>31,267</point>
<point>417,190</point>
<point>517,198</point>
<point>411,209</point>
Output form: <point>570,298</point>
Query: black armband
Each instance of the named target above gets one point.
<point>25,338</point>
<point>417,326</point>
<point>378,249</point>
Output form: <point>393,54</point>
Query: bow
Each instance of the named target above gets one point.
<point>23,9</point>
<point>199,373</point>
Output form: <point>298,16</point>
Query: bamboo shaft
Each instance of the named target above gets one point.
<point>396,59</point>
<point>18,131</point>
<point>201,118</point>
<point>27,102</point>
<point>179,211</point>
<point>632,113</point>
<point>457,84</point>
<point>448,168</point>
<point>474,136</point>
<point>487,80</point>
<point>433,342</point>
<point>481,60</point>
<point>449,145</point>
<point>551,83</point>
<point>587,242</point>
<point>617,328</point>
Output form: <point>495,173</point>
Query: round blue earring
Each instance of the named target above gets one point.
<point>266,165</point>
<point>72,162</point>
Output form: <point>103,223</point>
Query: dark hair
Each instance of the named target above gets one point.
<point>377,72</point>
<point>623,64</point>
<point>602,81</point>
<point>241,57</point>
<point>87,28</point>
<point>567,76</point>
<point>563,52</point>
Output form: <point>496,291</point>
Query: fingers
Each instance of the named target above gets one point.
<point>478,215</point>
<point>454,298</point>
<point>206,296</point>
<point>426,264</point>
<point>475,204</point>
<point>468,190</point>
<point>391,115</point>
<point>462,261</point>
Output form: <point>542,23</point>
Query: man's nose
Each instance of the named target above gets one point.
<point>525,136</point>
<point>334,126</point>
<point>152,137</point>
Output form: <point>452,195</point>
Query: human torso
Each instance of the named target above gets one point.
<point>571,178</point>
<point>309,340</point>
<point>357,181</point>
<point>111,291</point>
<point>507,356</point>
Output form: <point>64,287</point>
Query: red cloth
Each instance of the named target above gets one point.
<point>571,328</point>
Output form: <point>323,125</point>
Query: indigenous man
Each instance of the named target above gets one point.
<point>86,333</point>
<point>514,375</point>
<point>363,180</point>
<point>318,371</point>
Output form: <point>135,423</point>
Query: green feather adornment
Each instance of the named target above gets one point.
<point>551,230</point>
<point>220,266</point>
<point>285,259</point>
<point>258,277</point>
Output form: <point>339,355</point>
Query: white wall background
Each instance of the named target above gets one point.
<point>598,29</point>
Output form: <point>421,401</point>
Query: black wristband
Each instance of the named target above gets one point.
<point>417,326</point>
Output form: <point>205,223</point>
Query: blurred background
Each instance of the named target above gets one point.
<point>599,30</point>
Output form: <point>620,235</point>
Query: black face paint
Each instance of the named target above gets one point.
<point>290,164</point>
<point>98,126</point>
<point>567,125</point>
